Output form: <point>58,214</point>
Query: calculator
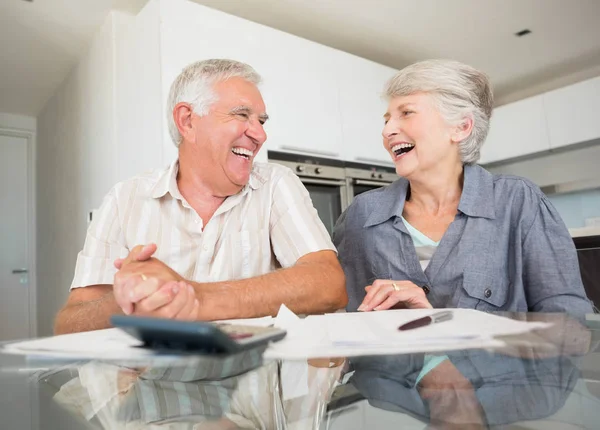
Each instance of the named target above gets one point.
<point>196,337</point>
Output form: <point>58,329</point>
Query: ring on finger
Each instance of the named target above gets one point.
<point>395,286</point>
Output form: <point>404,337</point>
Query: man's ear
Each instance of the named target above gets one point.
<point>463,129</point>
<point>182,115</point>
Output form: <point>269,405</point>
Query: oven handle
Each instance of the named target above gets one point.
<point>374,183</point>
<point>315,181</point>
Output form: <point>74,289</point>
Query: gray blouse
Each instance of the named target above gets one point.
<point>506,250</point>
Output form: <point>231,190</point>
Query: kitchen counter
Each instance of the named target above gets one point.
<point>585,231</point>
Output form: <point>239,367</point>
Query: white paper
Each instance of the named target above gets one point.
<point>382,327</point>
<point>255,322</point>
<point>332,335</point>
<point>108,343</point>
<point>376,333</point>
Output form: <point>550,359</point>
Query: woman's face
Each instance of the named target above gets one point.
<point>416,135</point>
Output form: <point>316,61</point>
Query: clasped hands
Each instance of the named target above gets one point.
<point>145,286</point>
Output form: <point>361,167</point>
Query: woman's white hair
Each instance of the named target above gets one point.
<point>195,83</point>
<point>459,90</point>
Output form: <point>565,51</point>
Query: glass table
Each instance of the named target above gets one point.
<point>548,379</point>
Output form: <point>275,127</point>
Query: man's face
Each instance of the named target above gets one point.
<point>227,139</point>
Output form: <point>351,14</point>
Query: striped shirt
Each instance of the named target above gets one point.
<point>182,396</point>
<point>269,224</point>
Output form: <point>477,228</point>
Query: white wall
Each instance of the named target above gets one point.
<point>19,122</point>
<point>139,137</point>
<point>76,153</point>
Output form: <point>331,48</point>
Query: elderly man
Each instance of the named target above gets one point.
<point>213,227</point>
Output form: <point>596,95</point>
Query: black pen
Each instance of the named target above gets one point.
<point>431,319</point>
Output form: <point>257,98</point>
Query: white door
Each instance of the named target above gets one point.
<point>14,235</point>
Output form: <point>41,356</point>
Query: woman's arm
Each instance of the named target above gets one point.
<point>551,276</point>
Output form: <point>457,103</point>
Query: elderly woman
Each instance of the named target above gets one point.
<point>448,233</point>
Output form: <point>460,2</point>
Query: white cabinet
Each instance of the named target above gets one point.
<point>321,101</point>
<point>573,113</point>
<point>516,129</point>
<point>362,106</point>
<point>300,90</point>
<point>189,32</point>
<point>299,81</point>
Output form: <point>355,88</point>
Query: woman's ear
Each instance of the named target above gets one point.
<point>182,115</point>
<point>463,129</point>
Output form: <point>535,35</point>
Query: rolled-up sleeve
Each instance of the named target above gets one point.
<point>104,243</point>
<point>296,228</point>
<point>550,268</point>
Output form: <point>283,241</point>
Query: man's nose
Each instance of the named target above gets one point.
<point>256,131</point>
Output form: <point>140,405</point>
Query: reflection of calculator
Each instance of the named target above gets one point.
<point>202,337</point>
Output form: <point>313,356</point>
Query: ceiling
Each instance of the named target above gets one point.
<point>41,41</point>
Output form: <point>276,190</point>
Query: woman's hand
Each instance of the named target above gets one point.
<point>384,294</point>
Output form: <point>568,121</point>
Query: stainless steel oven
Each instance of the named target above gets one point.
<point>361,178</point>
<point>325,181</point>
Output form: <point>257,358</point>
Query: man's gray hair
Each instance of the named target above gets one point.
<point>195,83</point>
<point>459,91</point>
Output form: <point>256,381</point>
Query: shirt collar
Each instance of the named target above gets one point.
<point>167,181</point>
<point>476,200</point>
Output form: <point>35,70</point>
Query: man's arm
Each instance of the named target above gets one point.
<point>315,284</point>
<point>87,309</point>
<point>90,308</point>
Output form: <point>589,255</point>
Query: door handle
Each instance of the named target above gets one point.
<point>17,271</point>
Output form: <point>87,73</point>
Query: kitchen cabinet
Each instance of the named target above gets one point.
<point>321,101</point>
<point>573,113</point>
<point>299,81</point>
<point>516,129</point>
<point>362,106</point>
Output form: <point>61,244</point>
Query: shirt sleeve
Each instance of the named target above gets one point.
<point>348,240</point>
<point>104,243</point>
<point>296,228</point>
<point>550,267</point>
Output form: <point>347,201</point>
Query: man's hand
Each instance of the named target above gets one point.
<point>146,284</point>
<point>384,294</point>
<point>173,300</point>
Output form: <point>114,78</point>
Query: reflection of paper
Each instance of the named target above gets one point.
<point>294,374</point>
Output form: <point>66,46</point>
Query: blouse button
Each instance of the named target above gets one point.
<point>426,289</point>
<point>487,293</point>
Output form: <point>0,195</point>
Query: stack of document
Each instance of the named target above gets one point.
<point>377,333</point>
<point>330,335</point>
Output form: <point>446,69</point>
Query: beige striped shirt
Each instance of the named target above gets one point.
<point>271,223</point>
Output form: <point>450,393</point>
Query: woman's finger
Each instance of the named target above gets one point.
<point>371,290</point>
<point>380,294</point>
<point>412,298</point>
